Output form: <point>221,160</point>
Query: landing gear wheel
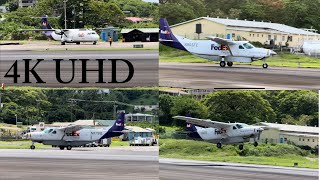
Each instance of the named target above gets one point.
<point>69,147</point>
<point>265,66</point>
<point>219,145</point>
<point>222,64</point>
<point>78,43</point>
<point>229,64</point>
<point>32,147</point>
<point>241,146</point>
<point>63,43</point>
<point>61,147</point>
<point>94,43</point>
<point>255,144</point>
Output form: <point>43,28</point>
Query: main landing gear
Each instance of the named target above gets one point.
<point>63,43</point>
<point>241,146</point>
<point>32,146</point>
<point>264,65</point>
<point>219,145</point>
<point>68,147</point>
<point>255,144</point>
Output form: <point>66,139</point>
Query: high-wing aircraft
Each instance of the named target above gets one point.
<point>66,35</point>
<point>226,51</point>
<point>220,132</point>
<point>311,48</point>
<point>75,135</point>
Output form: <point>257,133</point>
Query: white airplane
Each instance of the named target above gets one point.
<point>66,35</point>
<point>75,135</point>
<point>220,132</point>
<point>217,49</point>
<point>311,48</point>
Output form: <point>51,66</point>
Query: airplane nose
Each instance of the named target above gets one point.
<point>260,129</point>
<point>273,53</point>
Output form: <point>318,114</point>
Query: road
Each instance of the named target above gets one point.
<point>78,164</point>
<point>212,76</point>
<point>145,64</point>
<point>175,169</point>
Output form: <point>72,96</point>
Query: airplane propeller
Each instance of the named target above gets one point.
<point>260,131</point>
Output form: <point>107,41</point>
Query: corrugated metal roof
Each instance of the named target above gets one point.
<point>254,24</point>
<point>292,128</point>
<point>144,30</point>
<point>137,129</point>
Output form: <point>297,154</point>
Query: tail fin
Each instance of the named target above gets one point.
<point>119,123</point>
<point>191,127</point>
<point>45,25</point>
<point>167,38</point>
<point>165,31</point>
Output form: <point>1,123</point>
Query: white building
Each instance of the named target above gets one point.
<point>285,133</point>
<point>139,117</point>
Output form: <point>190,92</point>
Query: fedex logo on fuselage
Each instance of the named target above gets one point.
<point>222,47</point>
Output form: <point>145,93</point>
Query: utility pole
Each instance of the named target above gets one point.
<point>65,13</point>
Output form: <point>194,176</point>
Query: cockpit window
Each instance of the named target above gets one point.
<point>93,33</point>
<point>248,45</point>
<point>241,47</point>
<point>234,127</point>
<point>54,132</point>
<point>239,126</point>
<point>47,131</point>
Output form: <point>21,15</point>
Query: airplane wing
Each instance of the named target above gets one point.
<point>204,122</point>
<point>221,41</point>
<point>70,128</point>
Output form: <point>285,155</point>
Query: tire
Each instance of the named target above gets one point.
<point>94,43</point>
<point>63,43</point>
<point>61,147</point>
<point>255,144</point>
<point>229,64</point>
<point>241,146</point>
<point>32,147</point>
<point>69,147</point>
<point>265,66</point>
<point>219,145</point>
<point>78,43</point>
<point>222,64</point>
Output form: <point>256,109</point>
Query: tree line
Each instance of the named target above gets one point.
<point>296,13</point>
<point>80,14</point>
<point>33,105</point>
<point>287,107</point>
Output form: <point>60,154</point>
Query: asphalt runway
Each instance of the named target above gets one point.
<point>145,64</point>
<point>212,76</point>
<point>175,169</point>
<point>55,164</point>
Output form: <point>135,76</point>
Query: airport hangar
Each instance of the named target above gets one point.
<point>235,29</point>
<point>285,133</point>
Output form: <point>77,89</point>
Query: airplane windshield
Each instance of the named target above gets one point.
<point>248,45</point>
<point>47,131</point>
<point>239,126</point>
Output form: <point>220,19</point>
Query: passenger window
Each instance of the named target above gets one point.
<point>241,47</point>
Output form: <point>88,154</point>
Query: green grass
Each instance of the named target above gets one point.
<point>119,143</point>
<point>281,60</point>
<point>21,145</point>
<point>278,155</point>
